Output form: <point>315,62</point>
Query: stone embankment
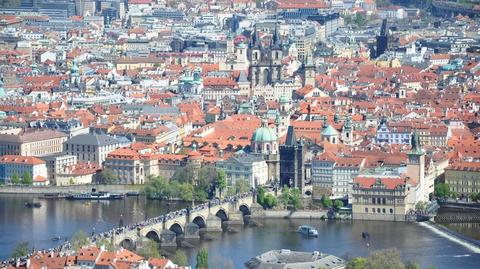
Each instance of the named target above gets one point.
<point>286,214</point>
<point>68,189</point>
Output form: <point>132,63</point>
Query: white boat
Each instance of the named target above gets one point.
<point>308,231</point>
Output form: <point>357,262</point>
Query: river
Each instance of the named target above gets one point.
<point>64,218</point>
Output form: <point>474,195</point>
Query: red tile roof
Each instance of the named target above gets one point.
<point>17,159</point>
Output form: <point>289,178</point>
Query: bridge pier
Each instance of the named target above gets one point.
<point>192,233</point>
<point>168,239</point>
<point>234,222</point>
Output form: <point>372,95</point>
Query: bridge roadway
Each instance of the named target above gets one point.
<point>184,223</point>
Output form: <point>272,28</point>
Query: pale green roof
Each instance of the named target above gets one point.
<point>283,99</point>
<point>264,134</point>
<point>329,131</point>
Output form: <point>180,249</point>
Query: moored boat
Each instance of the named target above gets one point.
<point>56,195</point>
<point>133,193</point>
<point>308,231</point>
<point>95,196</point>
<point>33,204</point>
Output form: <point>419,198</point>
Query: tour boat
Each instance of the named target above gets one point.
<point>95,196</point>
<point>308,231</point>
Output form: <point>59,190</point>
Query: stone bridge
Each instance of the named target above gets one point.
<point>188,225</point>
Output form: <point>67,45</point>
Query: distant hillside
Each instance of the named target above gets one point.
<point>9,3</point>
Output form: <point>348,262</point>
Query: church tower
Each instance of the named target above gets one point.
<point>284,115</point>
<point>292,161</point>
<point>309,72</point>
<point>74,73</point>
<point>265,143</point>
<point>347,132</point>
<point>416,165</point>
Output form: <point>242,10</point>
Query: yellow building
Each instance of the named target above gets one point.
<point>463,177</point>
<point>32,143</point>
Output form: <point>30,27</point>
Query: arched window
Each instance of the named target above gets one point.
<point>267,147</point>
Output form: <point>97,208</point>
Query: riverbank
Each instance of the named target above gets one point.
<point>122,189</point>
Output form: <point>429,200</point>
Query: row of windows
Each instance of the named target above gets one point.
<point>379,210</point>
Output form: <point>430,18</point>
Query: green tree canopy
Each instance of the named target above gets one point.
<point>240,186</point>
<point>261,195</point>
<point>105,243</point>
<point>202,258</point>
<point>107,176</point>
<point>15,178</point>
<point>442,190</point>
<point>338,204</point>
<point>221,181</point>
<point>357,263</point>
<point>326,201</point>
<point>412,265</point>
<point>180,258</point>
<point>27,178</point>
<point>79,240</point>
<point>385,259</point>
<point>21,250</point>
<point>149,249</point>
<point>270,201</point>
<point>291,197</point>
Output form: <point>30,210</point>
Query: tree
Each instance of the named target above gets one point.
<point>270,201</point>
<point>421,205</point>
<point>442,190</point>
<point>221,182</point>
<point>21,250</point>
<point>360,19</point>
<point>326,202</point>
<point>385,259</point>
<point>261,195</point>
<point>186,191</point>
<point>240,186</point>
<point>200,195</point>
<point>79,240</point>
<point>202,258</point>
<point>180,258</point>
<point>107,176</point>
<point>27,178</point>
<point>412,265</point>
<point>105,243</point>
<point>149,250</point>
<point>15,179</point>
<point>338,204</point>
<point>291,197</point>
<point>357,263</point>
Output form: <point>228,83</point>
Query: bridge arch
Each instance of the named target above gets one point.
<point>245,209</point>
<point>200,221</point>
<point>176,228</point>
<point>128,243</point>
<point>222,214</point>
<point>153,235</point>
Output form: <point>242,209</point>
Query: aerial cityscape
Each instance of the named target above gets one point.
<point>232,134</point>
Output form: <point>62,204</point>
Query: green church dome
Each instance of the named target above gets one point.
<point>264,134</point>
<point>329,131</point>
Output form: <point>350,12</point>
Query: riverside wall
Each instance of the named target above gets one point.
<point>68,189</point>
<point>286,214</point>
